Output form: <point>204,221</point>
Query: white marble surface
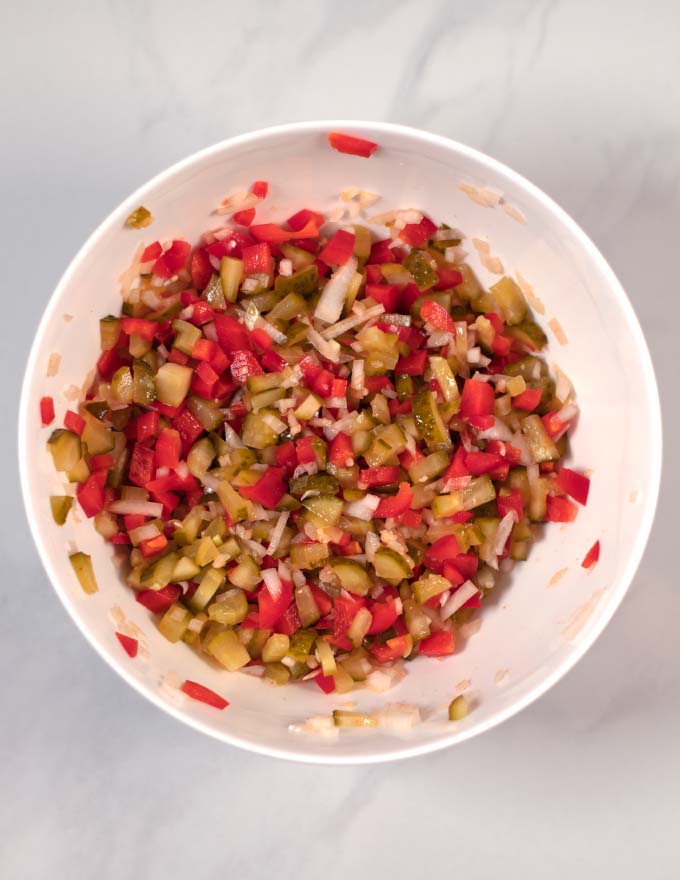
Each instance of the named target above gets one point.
<point>583,98</point>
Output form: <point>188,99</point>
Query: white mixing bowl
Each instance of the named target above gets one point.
<point>532,633</point>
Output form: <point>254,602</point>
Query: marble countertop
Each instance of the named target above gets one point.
<point>580,97</point>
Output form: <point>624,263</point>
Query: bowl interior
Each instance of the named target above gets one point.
<point>532,631</point>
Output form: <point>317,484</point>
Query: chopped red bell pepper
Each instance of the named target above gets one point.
<point>528,400</point>
<point>411,364</point>
<point>141,465</point>
<point>109,361</point>
<point>243,365</point>
<point>260,189</point>
<point>396,504</point>
<point>230,246</point>
<point>139,327</point>
<point>302,218</point>
<point>341,451</point>
<point>189,428</point>
<point>477,399</point>
<point>151,252</point>
<point>554,425</point>
<point>304,449</point>
<point>560,509</point>
<point>178,357</point>
<point>439,644</point>
<point>346,608</point>
<point>204,695</point>
<point>129,644</point>
<point>74,422</point>
<point>272,232</point>
<point>201,313</point>
<point>388,295</point>
<point>257,259</point>
<point>158,601</point>
<point>382,252</point>
<point>147,425</point>
<point>206,374</point>
<point>200,268</point>
<point>245,217</point>
<point>352,145</point>
<point>271,608</point>
<point>325,682</point>
<point>448,278</point>
<point>451,573</point>
<point>339,387</point>
<point>339,248</point>
<point>231,334</point>
<point>378,476</point>
<point>152,546</point>
<point>273,362</point>
<point>418,234</point>
<point>268,490</point>
<point>90,494</point>
<point>289,622</point>
<point>443,549</point>
<point>467,564</point>
<point>512,502</point>
<point>383,615</point>
<point>437,316</point>
<point>46,410</point>
<point>173,260</point>
<point>101,462</point>
<point>285,456</point>
<point>393,649</point>
<point>482,462</point>
<point>592,556</point>
<point>574,484</point>
<point>322,600</point>
<point>410,518</point>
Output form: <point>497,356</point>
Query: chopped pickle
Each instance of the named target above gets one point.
<point>529,334</point>
<point>140,218</point>
<point>227,649</point>
<point>172,383</point>
<point>257,433</point>
<point>82,566</point>
<point>511,300</point>
<point>308,556</point>
<point>277,673</point>
<point>324,484</point>
<point>430,585</point>
<point>209,584</point>
<point>458,708</point>
<point>231,272</point>
<point>429,421</point>
<point>390,566</point>
<point>109,332</point>
<point>478,491</point>
<point>352,576</point>
<point>66,449</point>
<point>304,282</point>
<point>246,574</point>
<point>186,336</point>
<point>230,608</point>
<point>541,446</point>
<point>60,506</point>
<point>308,610</point>
<point>442,372</point>
<point>419,264</point>
<point>276,647</point>
<point>174,622</point>
<point>429,467</point>
<point>323,510</point>
<point>213,293</point>
<point>345,718</point>
<point>143,384</point>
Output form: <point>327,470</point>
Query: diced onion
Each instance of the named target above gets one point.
<point>277,532</point>
<point>358,373</point>
<point>144,533</point>
<point>458,599</point>
<point>353,321</point>
<point>364,508</point>
<point>277,426</point>
<point>398,716</point>
<point>332,300</point>
<point>141,508</point>
<point>371,545</point>
<point>503,531</point>
<point>272,581</point>
<point>328,348</point>
<point>232,438</point>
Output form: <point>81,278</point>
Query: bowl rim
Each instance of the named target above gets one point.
<point>636,550</point>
